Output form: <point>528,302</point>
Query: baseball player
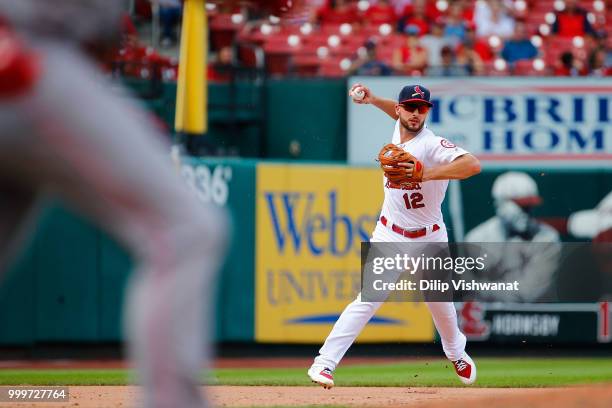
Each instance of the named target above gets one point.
<point>64,133</point>
<point>411,212</point>
<point>515,195</point>
<point>594,224</point>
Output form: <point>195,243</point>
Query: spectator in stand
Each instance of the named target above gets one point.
<point>416,14</point>
<point>520,46</point>
<point>455,24</point>
<point>448,66</point>
<point>169,17</point>
<point>468,57</point>
<point>400,6</point>
<point>221,68</point>
<point>480,45</point>
<point>597,63</point>
<point>434,42</point>
<point>493,17</point>
<point>337,12</point>
<point>467,8</point>
<point>600,40</point>
<point>572,21</point>
<point>370,65</point>
<point>569,65</point>
<point>428,7</point>
<point>411,58</point>
<point>381,13</point>
<point>128,29</point>
<point>128,35</point>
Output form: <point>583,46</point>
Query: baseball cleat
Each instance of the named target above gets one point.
<point>321,375</point>
<point>465,369</point>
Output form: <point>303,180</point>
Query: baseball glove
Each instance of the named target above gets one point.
<point>391,156</point>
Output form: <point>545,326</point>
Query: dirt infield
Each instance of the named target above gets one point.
<point>234,396</point>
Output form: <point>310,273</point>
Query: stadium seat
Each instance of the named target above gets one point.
<point>306,65</point>
<point>315,40</point>
<point>331,29</point>
<point>277,55</point>
<point>542,6</point>
<point>223,30</point>
<point>250,55</point>
<point>560,43</point>
<point>343,52</point>
<point>536,17</point>
<point>331,68</point>
<point>526,68</point>
<point>307,49</point>
<point>490,70</point>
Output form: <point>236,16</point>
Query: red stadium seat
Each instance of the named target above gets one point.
<point>331,68</point>
<point>307,49</point>
<point>370,30</point>
<point>277,55</point>
<point>289,29</point>
<point>536,17</point>
<point>306,65</point>
<point>223,30</point>
<point>343,52</point>
<point>250,55</point>
<point>277,64</point>
<point>331,29</point>
<point>526,68</point>
<point>490,70</point>
<point>560,43</point>
<point>542,5</point>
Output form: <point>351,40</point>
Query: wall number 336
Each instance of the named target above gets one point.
<point>210,184</point>
<point>413,201</point>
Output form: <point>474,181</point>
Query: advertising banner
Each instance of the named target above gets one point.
<point>311,221</point>
<point>536,323</point>
<point>504,121</point>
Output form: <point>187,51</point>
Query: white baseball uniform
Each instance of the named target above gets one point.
<point>410,209</point>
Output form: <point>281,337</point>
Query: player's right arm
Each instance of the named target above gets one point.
<point>384,104</point>
<point>461,168</point>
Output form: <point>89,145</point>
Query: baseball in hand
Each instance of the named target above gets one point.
<point>358,94</point>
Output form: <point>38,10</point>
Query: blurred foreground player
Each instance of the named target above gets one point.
<point>62,132</point>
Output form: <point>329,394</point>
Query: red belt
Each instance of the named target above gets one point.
<point>421,232</point>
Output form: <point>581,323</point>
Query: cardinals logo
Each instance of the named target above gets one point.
<point>447,144</point>
<point>472,321</point>
<point>417,91</point>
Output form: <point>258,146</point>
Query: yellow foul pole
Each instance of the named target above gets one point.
<point>191,92</point>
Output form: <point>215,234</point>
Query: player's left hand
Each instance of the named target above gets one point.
<point>400,166</point>
<point>409,167</point>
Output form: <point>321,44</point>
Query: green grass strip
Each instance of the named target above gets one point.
<point>492,372</point>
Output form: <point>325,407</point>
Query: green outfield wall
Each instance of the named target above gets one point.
<point>281,119</point>
<point>68,284</point>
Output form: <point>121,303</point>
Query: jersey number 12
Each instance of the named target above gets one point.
<point>414,201</point>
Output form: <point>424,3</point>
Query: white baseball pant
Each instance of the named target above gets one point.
<point>357,314</point>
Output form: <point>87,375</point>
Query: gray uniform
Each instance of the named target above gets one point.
<point>77,20</point>
<point>73,137</point>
